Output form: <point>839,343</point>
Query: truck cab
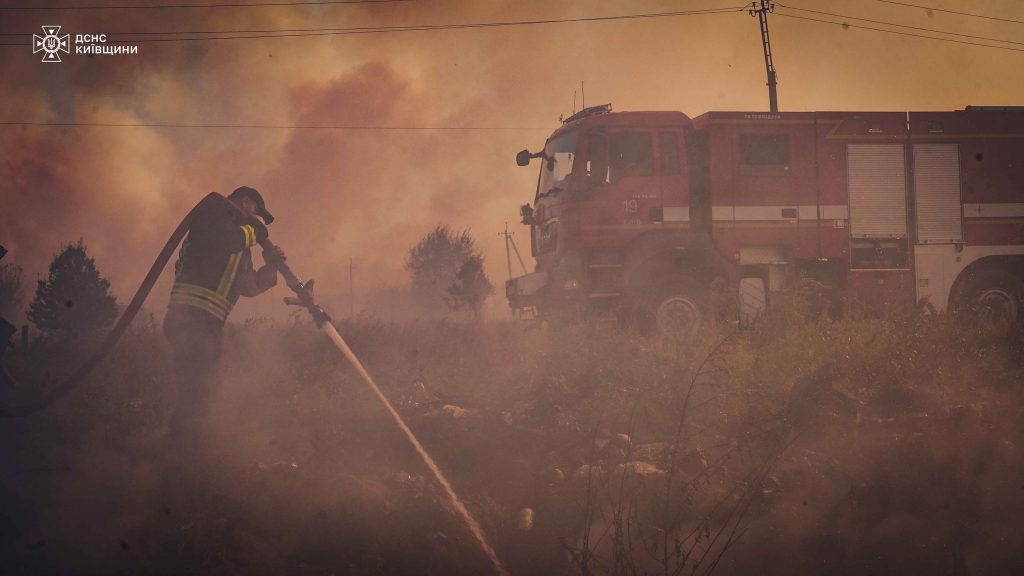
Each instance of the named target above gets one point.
<point>608,184</point>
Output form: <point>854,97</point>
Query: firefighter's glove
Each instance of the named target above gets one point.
<point>260,229</point>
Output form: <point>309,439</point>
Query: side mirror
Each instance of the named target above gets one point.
<point>523,158</point>
<point>526,211</point>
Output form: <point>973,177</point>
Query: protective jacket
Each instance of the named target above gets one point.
<point>214,264</point>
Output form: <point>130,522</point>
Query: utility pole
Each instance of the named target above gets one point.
<point>508,255</point>
<point>761,8</point>
<point>510,243</point>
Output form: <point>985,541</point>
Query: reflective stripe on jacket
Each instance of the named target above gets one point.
<point>215,267</point>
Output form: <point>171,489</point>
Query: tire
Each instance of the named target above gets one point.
<point>994,301</point>
<point>677,310</point>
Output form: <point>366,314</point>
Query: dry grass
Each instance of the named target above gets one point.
<point>802,445</point>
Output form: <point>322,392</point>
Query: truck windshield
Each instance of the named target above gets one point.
<point>557,166</point>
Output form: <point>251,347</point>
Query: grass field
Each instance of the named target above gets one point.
<point>799,446</point>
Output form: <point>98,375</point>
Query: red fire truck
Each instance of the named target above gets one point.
<point>653,214</point>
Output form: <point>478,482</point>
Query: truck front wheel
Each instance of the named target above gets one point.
<point>678,310</point>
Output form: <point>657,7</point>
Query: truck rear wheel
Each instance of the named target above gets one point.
<point>994,301</point>
<point>678,310</point>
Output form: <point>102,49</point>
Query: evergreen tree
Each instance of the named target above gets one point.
<point>74,300</point>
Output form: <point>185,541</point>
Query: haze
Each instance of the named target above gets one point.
<point>369,194</point>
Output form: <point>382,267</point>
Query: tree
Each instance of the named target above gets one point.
<point>74,300</point>
<point>446,269</point>
<point>11,290</point>
<point>471,286</point>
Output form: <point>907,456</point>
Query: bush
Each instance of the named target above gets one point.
<point>447,270</point>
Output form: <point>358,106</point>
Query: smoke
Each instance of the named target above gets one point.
<point>370,194</point>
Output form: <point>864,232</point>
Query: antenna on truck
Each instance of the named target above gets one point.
<point>762,8</point>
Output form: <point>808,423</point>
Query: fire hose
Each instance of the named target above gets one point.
<point>71,382</point>
<point>304,298</point>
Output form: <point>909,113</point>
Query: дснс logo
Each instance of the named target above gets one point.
<point>50,43</point>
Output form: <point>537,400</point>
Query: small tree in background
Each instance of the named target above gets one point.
<point>435,265</point>
<point>471,287</point>
<point>74,300</point>
<point>12,290</point>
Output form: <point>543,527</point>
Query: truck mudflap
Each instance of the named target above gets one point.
<point>524,291</point>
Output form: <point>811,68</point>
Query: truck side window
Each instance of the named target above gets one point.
<point>764,154</point>
<point>669,154</point>
<point>630,154</point>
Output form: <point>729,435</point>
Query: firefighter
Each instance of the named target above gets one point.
<point>214,268</point>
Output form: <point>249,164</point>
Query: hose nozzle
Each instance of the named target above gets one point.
<point>304,293</point>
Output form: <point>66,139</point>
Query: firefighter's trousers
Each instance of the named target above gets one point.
<point>195,339</point>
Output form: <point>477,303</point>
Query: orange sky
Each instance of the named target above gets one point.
<point>370,194</point>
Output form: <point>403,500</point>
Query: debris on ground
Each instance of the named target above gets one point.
<point>525,519</point>
<point>645,469</point>
<point>455,411</point>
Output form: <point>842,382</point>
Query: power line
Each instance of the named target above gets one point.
<point>848,25</point>
<point>933,9</point>
<point>272,126</point>
<point>238,5</point>
<point>885,23</point>
<point>302,32</point>
<point>291,32</point>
